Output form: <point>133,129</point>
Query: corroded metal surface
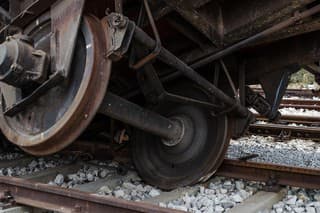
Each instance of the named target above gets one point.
<point>66,200</point>
<point>73,107</point>
<point>276,174</point>
<point>285,131</point>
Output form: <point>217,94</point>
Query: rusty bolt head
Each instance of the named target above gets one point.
<point>118,21</point>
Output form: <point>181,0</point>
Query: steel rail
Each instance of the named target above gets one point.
<point>271,173</point>
<point>301,104</point>
<point>294,119</point>
<point>306,102</point>
<point>295,92</point>
<point>285,131</point>
<point>58,199</point>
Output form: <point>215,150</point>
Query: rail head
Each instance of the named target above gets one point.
<point>59,199</point>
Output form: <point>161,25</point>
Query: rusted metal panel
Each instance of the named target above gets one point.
<point>299,50</point>
<point>196,19</point>
<point>244,18</point>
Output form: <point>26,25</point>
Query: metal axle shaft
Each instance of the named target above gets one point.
<point>132,114</point>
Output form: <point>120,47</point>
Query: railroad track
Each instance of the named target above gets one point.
<point>289,126</point>
<point>285,132</point>
<point>33,189</point>
<point>301,104</point>
<point>307,93</point>
<point>272,174</point>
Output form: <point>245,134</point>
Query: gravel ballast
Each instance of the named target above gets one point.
<point>298,200</point>
<point>11,156</point>
<point>85,174</point>
<point>220,195</point>
<point>36,165</point>
<point>296,152</point>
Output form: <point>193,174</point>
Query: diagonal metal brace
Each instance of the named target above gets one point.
<point>65,23</point>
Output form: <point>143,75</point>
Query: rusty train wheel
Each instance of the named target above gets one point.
<point>57,118</point>
<point>195,158</point>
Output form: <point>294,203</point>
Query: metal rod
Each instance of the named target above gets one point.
<point>118,6</point>
<point>242,83</point>
<point>6,18</point>
<point>269,31</point>
<point>226,72</point>
<point>132,114</point>
<point>170,59</point>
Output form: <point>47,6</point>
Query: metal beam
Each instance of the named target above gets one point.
<point>196,19</point>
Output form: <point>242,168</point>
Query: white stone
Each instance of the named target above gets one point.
<point>219,208</point>
<point>310,209</point>
<point>227,204</point>
<point>237,198</point>
<point>154,193</point>
<point>128,185</point>
<point>103,173</point>
<point>90,177</point>
<point>105,190</point>
<point>239,185</point>
<point>298,209</point>
<point>59,179</point>
<point>223,191</point>
<point>119,193</point>
<point>201,189</point>
<point>161,204</point>
<point>291,200</point>
<point>33,164</point>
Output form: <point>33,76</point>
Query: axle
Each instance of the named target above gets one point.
<point>120,109</point>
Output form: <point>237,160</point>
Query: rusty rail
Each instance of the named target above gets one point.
<point>271,173</point>
<point>295,92</point>
<point>301,104</point>
<point>67,200</point>
<point>306,120</point>
<point>285,131</point>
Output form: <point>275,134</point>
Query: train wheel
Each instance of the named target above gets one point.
<point>58,117</point>
<point>197,155</point>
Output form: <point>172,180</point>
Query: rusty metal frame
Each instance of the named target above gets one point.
<point>277,27</point>
<point>65,22</point>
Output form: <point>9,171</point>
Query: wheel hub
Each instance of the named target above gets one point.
<point>172,142</point>
<point>20,63</point>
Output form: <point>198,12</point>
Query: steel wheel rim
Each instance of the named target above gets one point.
<point>84,106</point>
<point>201,157</point>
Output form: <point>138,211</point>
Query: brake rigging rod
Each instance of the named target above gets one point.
<point>173,61</point>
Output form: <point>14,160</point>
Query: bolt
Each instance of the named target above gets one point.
<point>118,21</point>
